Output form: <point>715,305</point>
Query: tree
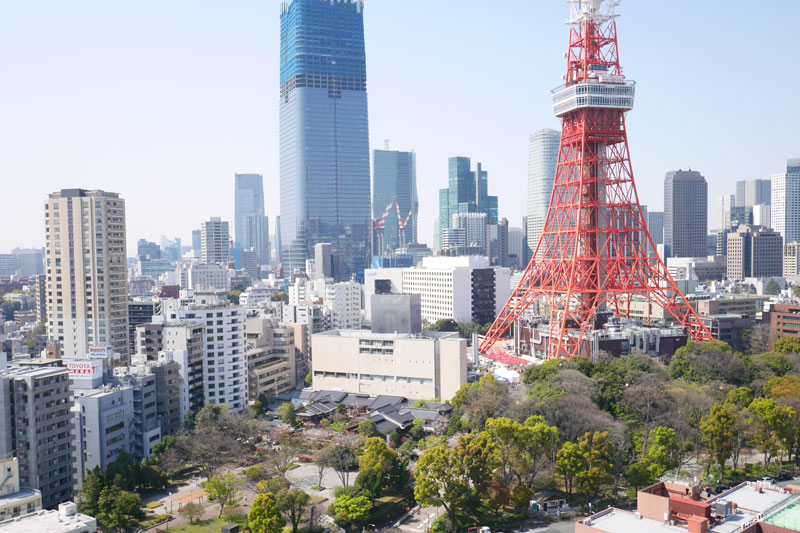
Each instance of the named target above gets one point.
<point>192,511</point>
<point>762,414</point>
<point>348,511</point>
<point>343,459</point>
<point>782,387</point>
<point>367,429</point>
<point>223,490</point>
<point>381,469</point>
<point>456,477</point>
<point>597,450</point>
<point>93,485</point>
<point>288,414</point>
<point>772,288</point>
<point>664,449</point>
<point>264,516</point>
<point>640,474</point>
<point>739,398</point>
<point>280,297</point>
<point>321,462</point>
<point>292,503</point>
<point>444,324</point>
<point>787,345</point>
<point>522,448</point>
<point>233,297</point>
<point>258,408</point>
<point>569,462</point>
<point>117,508</point>
<point>718,436</point>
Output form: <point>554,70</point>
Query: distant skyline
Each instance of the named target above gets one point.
<point>165,102</point>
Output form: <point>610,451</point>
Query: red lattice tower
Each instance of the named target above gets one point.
<point>595,252</point>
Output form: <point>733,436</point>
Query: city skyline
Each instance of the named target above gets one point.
<point>138,100</point>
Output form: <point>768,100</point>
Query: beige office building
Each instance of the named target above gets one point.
<point>86,270</point>
<point>417,367</point>
<point>271,368</point>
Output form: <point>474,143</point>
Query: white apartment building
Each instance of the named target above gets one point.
<point>66,519</point>
<point>785,206</point>
<point>463,288</point>
<point>86,271</point>
<point>474,226</point>
<point>418,367</point>
<point>343,305</point>
<point>256,296</point>
<point>208,277</point>
<point>225,357</point>
<point>214,241</point>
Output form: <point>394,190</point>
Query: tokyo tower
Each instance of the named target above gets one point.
<point>595,254</point>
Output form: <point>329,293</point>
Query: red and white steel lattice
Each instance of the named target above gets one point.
<point>595,252</point>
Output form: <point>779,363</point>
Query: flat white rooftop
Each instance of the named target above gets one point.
<point>748,497</point>
<point>616,521</point>
<point>50,521</point>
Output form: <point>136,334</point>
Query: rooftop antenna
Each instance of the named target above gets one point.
<point>386,144</point>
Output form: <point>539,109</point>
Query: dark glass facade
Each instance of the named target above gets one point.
<point>394,179</point>
<point>324,141</point>
<point>467,192</point>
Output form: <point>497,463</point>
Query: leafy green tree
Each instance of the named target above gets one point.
<point>772,288</point>
<point>569,463</point>
<point>663,450</point>
<point>288,414</point>
<point>381,469</point>
<point>521,448</point>
<point>93,485</point>
<point>456,477</point>
<point>291,503</point>
<point>208,417</point>
<point>117,508</point>
<point>343,459</point>
<point>189,423</point>
<point>280,297</point>
<point>348,511</point>
<point>368,429</point>
<point>718,436</point>
<point>264,515</point>
<point>787,345</point>
<point>223,490</point>
<point>739,398</point>
<point>597,450</point>
<point>258,408</point>
<point>444,324</point>
<point>782,387</point>
<point>233,297</point>
<point>640,474</point>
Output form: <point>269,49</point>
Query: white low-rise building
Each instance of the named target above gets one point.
<point>419,367</point>
<point>66,519</point>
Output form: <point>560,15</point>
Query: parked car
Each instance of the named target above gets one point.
<point>719,489</point>
<point>767,479</point>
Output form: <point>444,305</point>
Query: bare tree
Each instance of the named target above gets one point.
<point>342,457</point>
<point>322,462</point>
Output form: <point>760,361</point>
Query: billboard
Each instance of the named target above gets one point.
<point>101,352</point>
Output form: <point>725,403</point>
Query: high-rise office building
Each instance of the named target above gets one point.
<point>324,134</point>
<point>87,271</point>
<point>785,200</point>
<point>215,241</point>
<point>323,260</point>
<point>722,214</point>
<point>685,214</point>
<point>793,166</point>
<point>28,262</point>
<point>474,226</point>
<point>655,226</point>
<point>752,192</point>
<point>197,243</point>
<point>754,252</point>
<point>542,161</point>
<point>497,246</point>
<point>466,192</point>
<point>251,225</point>
<point>394,179</point>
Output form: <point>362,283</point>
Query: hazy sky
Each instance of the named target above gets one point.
<point>163,101</point>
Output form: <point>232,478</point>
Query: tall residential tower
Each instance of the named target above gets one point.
<point>324,137</point>
<point>87,271</point>
<point>542,162</point>
<point>251,225</point>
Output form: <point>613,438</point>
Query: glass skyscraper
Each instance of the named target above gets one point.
<point>251,224</point>
<point>394,179</point>
<point>324,141</point>
<point>542,163</point>
<point>467,192</point>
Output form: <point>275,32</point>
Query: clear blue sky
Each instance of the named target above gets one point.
<point>163,101</point>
